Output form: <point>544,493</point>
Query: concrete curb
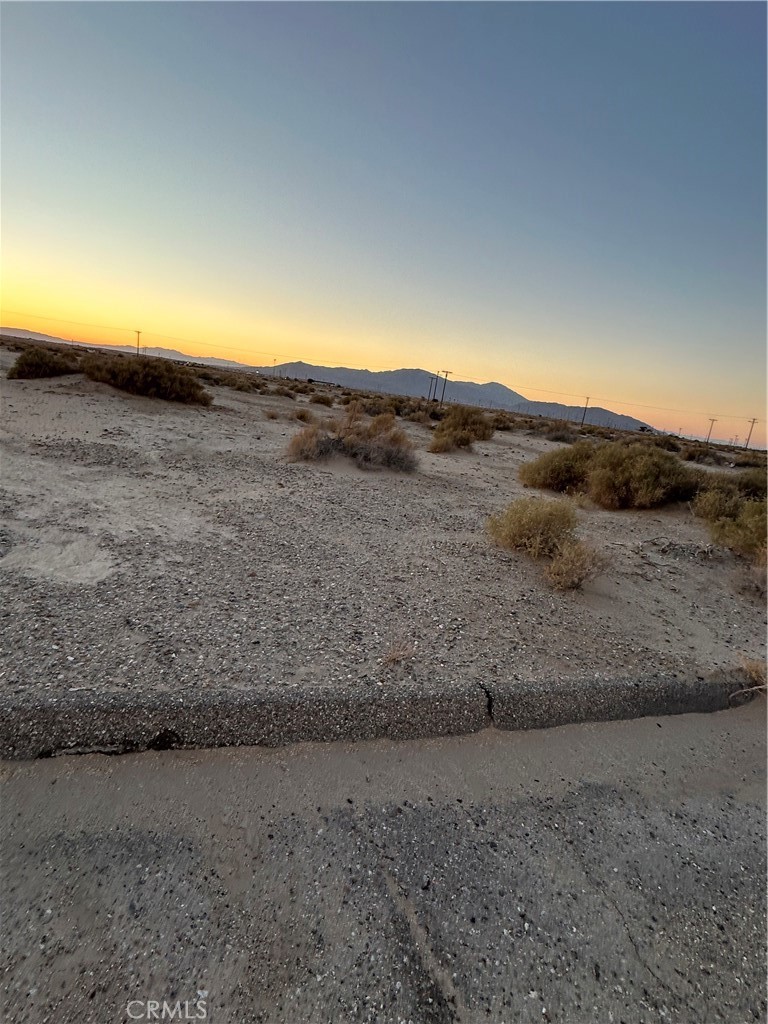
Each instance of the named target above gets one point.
<point>535,705</point>
<point>118,722</point>
<point>40,725</point>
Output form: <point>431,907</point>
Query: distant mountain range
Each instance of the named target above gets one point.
<point>416,384</point>
<point>413,383</point>
<point>163,353</point>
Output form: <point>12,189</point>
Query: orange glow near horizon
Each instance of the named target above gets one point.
<point>266,341</point>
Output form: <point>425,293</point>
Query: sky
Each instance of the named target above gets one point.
<point>568,198</point>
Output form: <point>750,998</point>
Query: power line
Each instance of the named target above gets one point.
<point>151,334</point>
<point>283,355</point>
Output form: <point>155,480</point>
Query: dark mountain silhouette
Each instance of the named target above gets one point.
<point>416,384</point>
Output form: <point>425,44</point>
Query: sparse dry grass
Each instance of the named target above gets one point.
<point>397,654</point>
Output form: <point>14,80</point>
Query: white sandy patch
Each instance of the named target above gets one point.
<point>60,557</point>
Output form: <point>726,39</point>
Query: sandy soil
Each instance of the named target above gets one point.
<point>147,544</point>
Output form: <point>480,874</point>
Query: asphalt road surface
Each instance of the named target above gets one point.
<point>595,873</point>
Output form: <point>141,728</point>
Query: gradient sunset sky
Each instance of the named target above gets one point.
<point>564,197</point>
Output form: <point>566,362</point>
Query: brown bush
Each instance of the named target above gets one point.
<point>501,422</point>
<point>419,416</point>
<point>38,362</point>
<point>750,458</point>
<point>459,428</point>
<point>450,440</point>
<point>537,526</point>
<point>561,432</point>
<point>318,399</point>
<point>311,444</point>
<point>744,532</point>
<point>573,564</point>
<point>378,443</point>
<point>282,392</point>
<point>614,475</point>
<point>151,377</point>
<point>637,476</point>
<point>752,483</point>
<point>545,529</point>
<point>564,470</point>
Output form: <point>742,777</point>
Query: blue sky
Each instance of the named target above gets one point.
<point>566,196</point>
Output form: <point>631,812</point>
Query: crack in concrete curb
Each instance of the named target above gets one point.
<point>36,725</point>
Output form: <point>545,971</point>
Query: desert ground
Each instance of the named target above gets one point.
<point>150,545</point>
<point>609,871</point>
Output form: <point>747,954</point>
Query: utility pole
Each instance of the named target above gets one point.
<point>138,335</point>
<point>442,396</point>
<point>584,414</point>
<point>712,422</point>
<point>752,423</point>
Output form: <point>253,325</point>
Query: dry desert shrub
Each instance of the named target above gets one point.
<point>37,362</point>
<point>561,432</point>
<point>303,415</point>
<point>637,476</point>
<point>378,443</point>
<point>564,470</point>
<point>317,399</point>
<point>755,672</point>
<point>545,529</point>
<point>704,454</point>
<point>147,376</point>
<point>231,379</point>
<point>310,445</point>
<point>501,421</point>
<point>752,483</point>
<point>745,533</point>
<point>537,526</point>
<point>450,440</point>
<point>459,428</point>
<point>750,458</point>
<point>573,564</point>
<point>272,415</point>
<point>614,475</point>
<point>419,416</point>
